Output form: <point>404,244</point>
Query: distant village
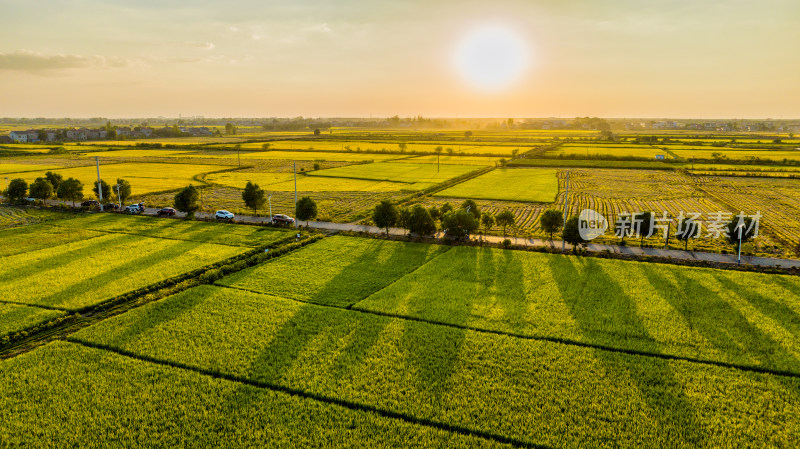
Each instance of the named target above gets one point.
<point>106,133</point>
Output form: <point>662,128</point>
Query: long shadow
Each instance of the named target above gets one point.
<point>433,351</point>
<point>44,264</point>
<point>402,260</point>
<point>114,273</point>
<point>160,312</point>
<point>594,311</point>
<point>725,327</point>
<point>510,293</point>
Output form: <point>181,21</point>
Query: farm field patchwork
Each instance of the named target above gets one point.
<point>418,175</point>
<point>87,272</point>
<point>516,184</point>
<point>551,394</point>
<point>598,163</point>
<point>335,271</point>
<point>450,160</point>
<point>721,316</point>
<point>284,182</point>
<point>296,155</point>
<point>608,150</point>
<point>144,177</point>
<point>88,393</point>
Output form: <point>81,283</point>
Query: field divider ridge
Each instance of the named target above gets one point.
<point>355,406</point>
<point>350,306</point>
<point>27,339</point>
<point>544,338</point>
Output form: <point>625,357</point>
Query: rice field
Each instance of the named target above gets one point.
<point>143,177</point>
<point>511,184</point>
<point>417,176</point>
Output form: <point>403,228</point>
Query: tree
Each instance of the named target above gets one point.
<point>459,223</point>
<point>70,189</point>
<point>253,196</point>
<point>188,201</point>
<point>572,234</point>
<point>446,207</point>
<point>54,178</point>
<point>551,220</point>
<point>623,226</point>
<point>487,220</point>
<point>420,221</point>
<point>316,166</point>
<point>514,153</point>
<point>17,190</point>
<point>740,230</point>
<point>435,214</point>
<point>467,134</point>
<point>403,146</point>
<point>124,191</point>
<point>644,226</point>
<point>403,217</point>
<point>686,231</point>
<point>505,219</point>
<point>41,189</point>
<point>306,209</point>
<point>317,132</point>
<point>106,189</point>
<point>472,207</point>
<point>230,128</point>
<point>385,215</point>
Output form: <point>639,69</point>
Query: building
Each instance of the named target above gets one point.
<point>18,136</point>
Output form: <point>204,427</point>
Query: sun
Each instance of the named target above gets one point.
<point>491,58</point>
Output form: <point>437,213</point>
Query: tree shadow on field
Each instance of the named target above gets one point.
<point>45,264</point>
<point>370,272</point>
<point>112,274</point>
<point>160,312</point>
<point>606,315</point>
<point>433,351</point>
<point>726,328</point>
<point>510,291</point>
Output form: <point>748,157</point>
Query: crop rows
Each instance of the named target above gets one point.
<point>89,392</point>
<point>15,317</point>
<point>522,184</point>
<point>337,270</point>
<point>83,273</point>
<point>525,390</point>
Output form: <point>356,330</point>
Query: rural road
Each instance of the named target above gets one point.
<point>630,250</point>
<point>593,247</point>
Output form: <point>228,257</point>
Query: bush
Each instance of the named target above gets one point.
<point>506,243</point>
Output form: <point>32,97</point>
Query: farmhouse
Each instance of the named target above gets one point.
<point>18,136</point>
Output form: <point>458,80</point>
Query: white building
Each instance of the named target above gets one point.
<point>18,136</point>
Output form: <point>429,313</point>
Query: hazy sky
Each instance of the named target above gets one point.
<point>345,58</point>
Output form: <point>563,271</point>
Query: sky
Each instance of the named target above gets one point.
<point>377,58</point>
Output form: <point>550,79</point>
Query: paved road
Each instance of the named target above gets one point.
<point>630,250</point>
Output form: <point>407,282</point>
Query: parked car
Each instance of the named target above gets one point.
<point>282,219</point>
<point>110,206</point>
<point>166,211</point>
<point>223,215</point>
<point>90,203</point>
<point>133,209</point>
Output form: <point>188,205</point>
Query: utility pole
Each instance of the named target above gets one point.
<point>269,198</point>
<point>294,164</point>
<point>119,200</point>
<point>566,196</point>
<point>99,183</point>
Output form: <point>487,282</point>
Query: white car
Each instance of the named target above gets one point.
<point>133,209</point>
<point>223,215</point>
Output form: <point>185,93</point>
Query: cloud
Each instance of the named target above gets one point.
<point>28,61</point>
